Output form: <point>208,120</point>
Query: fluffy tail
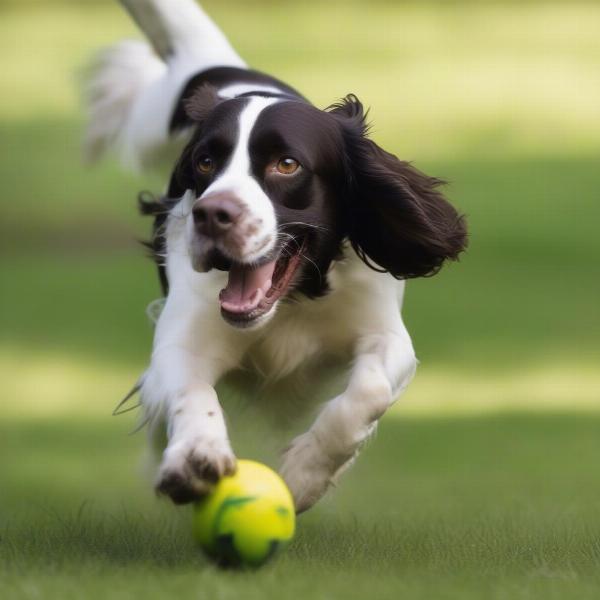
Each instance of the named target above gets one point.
<point>133,86</point>
<point>118,77</point>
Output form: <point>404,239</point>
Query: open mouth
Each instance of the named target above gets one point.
<point>252,291</point>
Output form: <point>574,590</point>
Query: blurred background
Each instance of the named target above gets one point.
<point>500,98</point>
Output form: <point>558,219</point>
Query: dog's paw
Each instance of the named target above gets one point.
<point>307,470</point>
<point>189,469</point>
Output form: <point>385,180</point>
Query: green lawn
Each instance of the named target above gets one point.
<point>483,481</point>
<point>473,507</point>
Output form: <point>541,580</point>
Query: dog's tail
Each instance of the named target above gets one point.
<point>133,87</point>
<point>117,78</point>
<point>180,28</point>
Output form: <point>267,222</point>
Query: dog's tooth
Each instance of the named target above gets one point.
<point>256,297</point>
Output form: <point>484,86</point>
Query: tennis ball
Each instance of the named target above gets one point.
<point>246,518</point>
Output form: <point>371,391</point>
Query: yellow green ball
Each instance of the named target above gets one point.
<point>246,518</point>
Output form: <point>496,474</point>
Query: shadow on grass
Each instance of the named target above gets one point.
<point>90,535</point>
<point>518,543</point>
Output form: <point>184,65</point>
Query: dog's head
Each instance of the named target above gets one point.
<point>279,185</point>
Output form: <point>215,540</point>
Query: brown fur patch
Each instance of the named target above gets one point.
<point>199,105</point>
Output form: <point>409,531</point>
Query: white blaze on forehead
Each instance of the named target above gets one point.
<point>237,179</point>
<point>239,166</point>
<point>237,89</point>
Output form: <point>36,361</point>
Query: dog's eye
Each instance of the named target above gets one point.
<point>287,165</point>
<point>205,165</point>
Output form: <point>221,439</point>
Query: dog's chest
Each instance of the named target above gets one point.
<point>306,330</point>
<point>297,337</point>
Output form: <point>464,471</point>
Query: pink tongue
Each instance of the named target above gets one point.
<point>246,287</point>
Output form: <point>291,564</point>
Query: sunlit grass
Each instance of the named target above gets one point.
<point>54,385</point>
<point>37,385</point>
<point>546,387</point>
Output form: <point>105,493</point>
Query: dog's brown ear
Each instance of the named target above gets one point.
<point>397,216</point>
<point>195,106</point>
<point>201,103</point>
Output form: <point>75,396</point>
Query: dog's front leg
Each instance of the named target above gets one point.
<point>384,365</point>
<point>198,452</point>
<point>178,390</point>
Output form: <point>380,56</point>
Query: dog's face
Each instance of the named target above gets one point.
<point>278,186</point>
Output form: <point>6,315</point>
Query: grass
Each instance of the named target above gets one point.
<point>482,482</point>
<point>456,508</point>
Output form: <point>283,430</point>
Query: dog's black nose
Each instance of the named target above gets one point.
<point>216,214</point>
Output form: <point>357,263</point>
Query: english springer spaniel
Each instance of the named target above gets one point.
<point>285,233</point>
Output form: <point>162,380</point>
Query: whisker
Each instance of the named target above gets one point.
<point>314,265</point>
<point>302,224</point>
<point>281,235</point>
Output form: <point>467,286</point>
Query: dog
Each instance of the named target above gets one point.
<point>285,234</point>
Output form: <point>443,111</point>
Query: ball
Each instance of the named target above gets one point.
<point>246,518</point>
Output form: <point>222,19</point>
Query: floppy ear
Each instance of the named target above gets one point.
<point>201,102</point>
<point>398,219</point>
<point>196,103</point>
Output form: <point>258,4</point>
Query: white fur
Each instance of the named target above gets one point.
<point>237,180</point>
<point>119,75</point>
<point>180,30</point>
<point>194,347</point>
<point>231,91</point>
<point>134,92</point>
